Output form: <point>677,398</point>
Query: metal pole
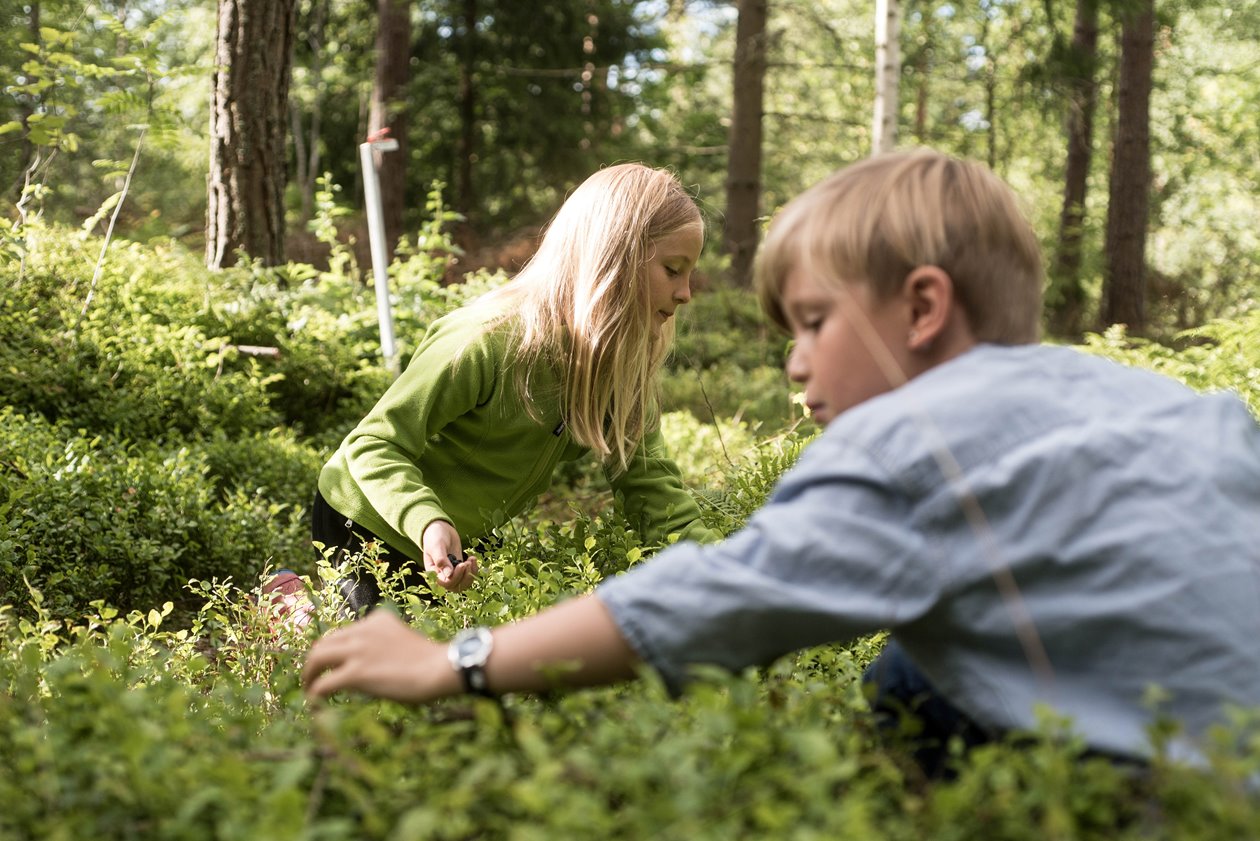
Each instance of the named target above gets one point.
<point>376,237</point>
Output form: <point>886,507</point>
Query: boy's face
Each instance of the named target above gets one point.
<point>849,347</point>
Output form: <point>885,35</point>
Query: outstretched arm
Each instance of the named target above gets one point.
<point>575,643</point>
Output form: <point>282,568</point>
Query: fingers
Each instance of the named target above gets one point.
<point>454,575</point>
<point>461,576</point>
<point>444,556</point>
<point>324,671</point>
<point>377,655</point>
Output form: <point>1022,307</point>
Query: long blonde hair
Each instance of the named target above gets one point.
<point>582,305</point>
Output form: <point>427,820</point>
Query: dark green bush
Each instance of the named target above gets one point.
<point>89,518</point>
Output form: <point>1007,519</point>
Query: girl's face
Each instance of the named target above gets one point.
<point>846,342</point>
<point>669,270</point>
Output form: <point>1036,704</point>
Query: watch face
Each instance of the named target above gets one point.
<point>468,647</point>
<point>472,647</point>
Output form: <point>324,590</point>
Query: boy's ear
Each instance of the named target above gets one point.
<point>929,292</point>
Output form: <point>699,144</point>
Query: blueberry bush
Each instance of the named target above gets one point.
<point>154,469</point>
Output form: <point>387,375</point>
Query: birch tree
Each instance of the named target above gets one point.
<point>887,75</point>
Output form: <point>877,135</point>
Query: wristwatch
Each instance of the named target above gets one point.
<point>468,653</point>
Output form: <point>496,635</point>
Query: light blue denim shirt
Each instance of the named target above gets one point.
<point>1034,525</point>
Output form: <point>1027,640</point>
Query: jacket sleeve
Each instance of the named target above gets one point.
<point>652,497</point>
<point>453,371</point>
<point>828,558</point>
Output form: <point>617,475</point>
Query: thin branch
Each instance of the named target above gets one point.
<point>100,261</point>
<point>27,192</point>
<point>712,414</point>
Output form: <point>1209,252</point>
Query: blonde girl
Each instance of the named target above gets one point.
<point>560,361</point>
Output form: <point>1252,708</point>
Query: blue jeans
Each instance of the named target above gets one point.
<point>903,694</point>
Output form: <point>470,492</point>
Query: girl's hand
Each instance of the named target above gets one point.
<point>379,656</point>
<point>439,543</point>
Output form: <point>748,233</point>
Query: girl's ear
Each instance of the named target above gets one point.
<point>929,293</point>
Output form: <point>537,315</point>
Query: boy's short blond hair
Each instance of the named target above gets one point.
<point>879,219</point>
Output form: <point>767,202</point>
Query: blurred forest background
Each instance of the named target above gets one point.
<point>1128,127</point>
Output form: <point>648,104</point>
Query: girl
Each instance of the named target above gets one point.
<point>561,360</point>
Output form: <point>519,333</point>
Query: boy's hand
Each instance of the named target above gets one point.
<point>440,543</point>
<point>380,656</point>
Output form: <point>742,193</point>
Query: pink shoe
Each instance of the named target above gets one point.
<point>287,603</point>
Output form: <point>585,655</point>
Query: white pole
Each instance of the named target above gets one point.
<point>376,237</point>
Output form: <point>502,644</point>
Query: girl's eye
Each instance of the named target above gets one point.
<point>672,272</point>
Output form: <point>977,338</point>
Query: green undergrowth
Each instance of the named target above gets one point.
<point>155,466</point>
<point>117,726</point>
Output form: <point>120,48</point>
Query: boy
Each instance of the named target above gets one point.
<point>1034,525</point>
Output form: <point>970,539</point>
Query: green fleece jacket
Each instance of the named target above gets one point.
<point>452,440</point>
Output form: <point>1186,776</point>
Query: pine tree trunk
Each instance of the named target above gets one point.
<point>743,174</point>
<point>245,195</point>
<point>389,110</point>
<point>1124,283</point>
<point>465,195</point>
<point>887,75</point>
<point>1067,317</point>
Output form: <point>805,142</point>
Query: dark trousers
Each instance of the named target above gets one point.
<point>342,536</point>
<point>901,693</point>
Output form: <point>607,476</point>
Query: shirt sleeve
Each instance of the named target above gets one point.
<point>831,556</point>
<point>452,372</point>
<point>651,495</point>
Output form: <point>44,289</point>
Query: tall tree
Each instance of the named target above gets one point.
<point>249,106</point>
<point>307,144</point>
<point>887,75</point>
<point>466,149</point>
<point>388,110</point>
<point>1124,278</point>
<point>1081,59</point>
<point>743,180</point>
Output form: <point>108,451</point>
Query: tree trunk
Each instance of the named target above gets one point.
<point>389,110</point>
<point>1124,282</point>
<point>1067,317</point>
<point>467,150</point>
<point>249,106</point>
<point>923,74</point>
<point>306,145</point>
<point>990,95</point>
<point>743,174</point>
<point>887,75</point>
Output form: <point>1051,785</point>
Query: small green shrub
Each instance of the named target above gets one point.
<point>87,518</point>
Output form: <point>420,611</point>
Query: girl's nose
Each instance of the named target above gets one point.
<point>683,293</point>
